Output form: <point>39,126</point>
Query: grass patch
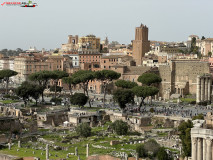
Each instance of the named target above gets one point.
<point>9,101</point>
<point>188,100</point>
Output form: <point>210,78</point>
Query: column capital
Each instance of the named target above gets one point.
<point>194,140</point>
<point>208,141</point>
<point>199,139</point>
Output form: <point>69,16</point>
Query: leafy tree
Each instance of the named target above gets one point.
<point>69,82</point>
<point>106,77</point>
<point>203,38</point>
<point>199,116</point>
<point>83,77</point>
<point>56,100</point>
<point>36,92</point>
<point>185,136</point>
<point>151,146</point>
<point>209,54</point>
<point>58,88</point>
<point>120,127</point>
<point>7,52</point>
<point>151,110</point>
<point>125,84</point>
<point>56,75</point>
<point>42,78</point>
<point>123,96</point>
<point>141,151</point>
<point>6,74</point>
<point>79,99</point>
<point>24,91</point>
<point>162,154</point>
<point>55,51</point>
<point>193,44</point>
<point>149,79</point>
<point>84,130</point>
<point>27,90</point>
<point>144,91</point>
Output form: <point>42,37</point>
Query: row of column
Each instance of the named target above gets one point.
<point>203,89</point>
<point>202,149</point>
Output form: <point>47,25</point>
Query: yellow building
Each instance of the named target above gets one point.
<point>89,44</point>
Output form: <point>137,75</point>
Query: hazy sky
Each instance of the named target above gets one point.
<point>49,24</point>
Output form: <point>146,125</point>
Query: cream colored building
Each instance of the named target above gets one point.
<point>89,44</point>
<point>72,44</point>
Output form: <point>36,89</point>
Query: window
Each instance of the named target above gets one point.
<point>104,66</point>
<point>104,61</point>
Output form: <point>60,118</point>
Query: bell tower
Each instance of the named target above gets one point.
<point>141,44</point>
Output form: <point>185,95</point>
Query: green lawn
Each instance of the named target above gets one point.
<point>9,101</point>
<point>27,150</point>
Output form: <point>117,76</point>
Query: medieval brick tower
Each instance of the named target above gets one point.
<point>141,44</point>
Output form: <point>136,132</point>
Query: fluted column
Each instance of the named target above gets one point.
<point>204,149</point>
<point>194,148</point>
<point>198,89</point>
<point>199,149</point>
<point>209,88</point>
<point>206,88</point>
<point>208,149</point>
<point>202,90</point>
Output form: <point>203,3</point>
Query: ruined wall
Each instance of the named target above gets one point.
<point>53,119</point>
<point>107,157</point>
<point>8,157</point>
<point>187,71</point>
<point>166,85</point>
<point>181,74</point>
<point>9,124</point>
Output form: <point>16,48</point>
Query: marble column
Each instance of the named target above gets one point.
<point>209,88</point>
<point>76,151</point>
<point>87,150</point>
<point>126,156</point>
<point>208,149</point>
<point>137,156</point>
<point>194,148</point>
<point>200,149</point>
<point>202,97</point>
<point>206,88</point>
<point>47,152</point>
<point>204,149</point>
<point>9,146</point>
<point>19,144</point>
<point>198,90</point>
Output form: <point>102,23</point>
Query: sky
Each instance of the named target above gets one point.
<point>48,25</point>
